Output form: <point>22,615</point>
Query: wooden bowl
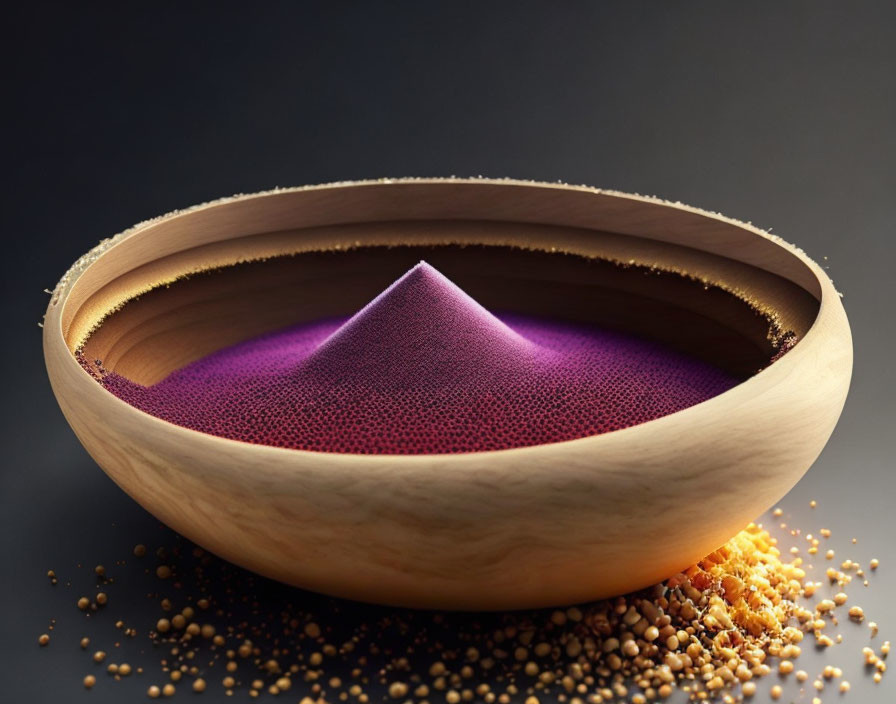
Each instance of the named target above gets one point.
<point>545,525</point>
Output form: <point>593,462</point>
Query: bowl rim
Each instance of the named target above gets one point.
<point>755,385</point>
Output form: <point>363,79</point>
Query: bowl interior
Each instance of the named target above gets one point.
<point>179,288</point>
<point>175,323</point>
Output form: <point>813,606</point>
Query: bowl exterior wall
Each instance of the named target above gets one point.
<point>545,525</point>
<point>549,525</point>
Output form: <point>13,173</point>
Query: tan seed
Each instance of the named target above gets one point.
<point>312,630</point>
<point>397,690</point>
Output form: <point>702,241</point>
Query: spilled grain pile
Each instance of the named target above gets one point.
<point>715,630</point>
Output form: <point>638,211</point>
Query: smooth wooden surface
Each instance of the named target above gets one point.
<point>551,524</point>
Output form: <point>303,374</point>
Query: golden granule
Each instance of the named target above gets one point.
<point>714,630</point>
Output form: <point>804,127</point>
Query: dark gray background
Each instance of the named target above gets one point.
<point>778,113</point>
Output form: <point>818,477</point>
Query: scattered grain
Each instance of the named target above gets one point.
<point>712,627</point>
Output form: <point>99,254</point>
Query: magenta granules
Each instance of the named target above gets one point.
<point>423,368</point>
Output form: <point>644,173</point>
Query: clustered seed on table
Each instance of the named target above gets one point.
<point>714,630</point>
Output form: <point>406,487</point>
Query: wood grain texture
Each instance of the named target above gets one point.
<point>551,524</point>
